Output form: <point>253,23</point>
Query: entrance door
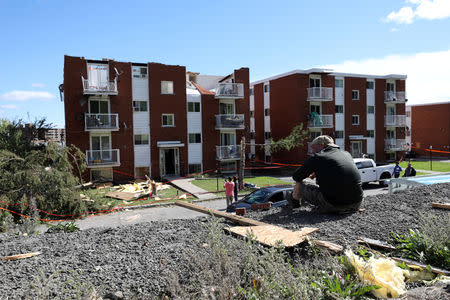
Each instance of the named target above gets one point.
<point>356,149</point>
<point>169,161</point>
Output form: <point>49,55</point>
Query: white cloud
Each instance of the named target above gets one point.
<point>38,85</point>
<point>9,106</point>
<point>425,9</point>
<point>427,73</point>
<point>26,95</point>
<point>394,29</point>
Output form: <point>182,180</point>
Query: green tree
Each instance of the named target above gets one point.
<point>296,138</point>
<point>40,177</point>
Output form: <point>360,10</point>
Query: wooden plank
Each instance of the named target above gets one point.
<point>104,185</point>
<point>122,195</point>
<point>269,235</point>
<point>237,219</point>
<point>328,245</point>
<point>375,243</point>
<point>441,205</point>
<point>423,266</point>
<point>20,256</point>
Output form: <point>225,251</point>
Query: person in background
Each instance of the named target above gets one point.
<point>236,188</point>
<point>229,190</point>
<point>397,170</point>
<point>409,171</point>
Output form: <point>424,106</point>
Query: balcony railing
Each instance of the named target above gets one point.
<point>395,120</point>
<point>397,97</point>
<point>395,145</point>
<point>320,121</point>
<point>320,94</point>
<point>91,87</point>
<point>101,122</point>
<point>230,90</point>
<point>103,158</point>
<point>230,122</point>
<point>232,152</point>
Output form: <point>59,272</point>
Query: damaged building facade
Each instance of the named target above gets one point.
<point>136,119</point>
<point>365,114</point>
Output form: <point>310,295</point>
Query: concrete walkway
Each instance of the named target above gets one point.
<point>186,185</point>
<point>429,172</point>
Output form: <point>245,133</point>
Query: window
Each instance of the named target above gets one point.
<point>195,168</point>
<point>195,138</point>
<point>168,120</point>
<point>140,106</point>
<point>390,86</point>
<point>339,83</point>
<point>193,106</point>
<point>266,112</point>
<point>371,133</point>
<point>139,72</point>
<point>167,87</point>
<point>267,135</point>
<point>339,109</point>
<point>355,95</point>
<point>266,88</point>
<point>339,134</point>
<point>370,109</point>
<point>314,82</point>
<point>141,139</point>
<point>252,135</point>
<point>355,120</point>
<point>267,158</point>
<point>370,85</point>
<point>252,114</point>
<point>251,91</point>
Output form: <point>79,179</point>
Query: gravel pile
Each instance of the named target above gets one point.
<point>134,261</point>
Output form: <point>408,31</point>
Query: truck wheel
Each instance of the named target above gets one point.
<point>384,176</point>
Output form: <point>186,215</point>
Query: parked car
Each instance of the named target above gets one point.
<point>369,171</point>
<point>276,195</point>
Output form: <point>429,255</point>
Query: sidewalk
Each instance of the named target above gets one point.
<point>429,172</point>
<point>186,185</point>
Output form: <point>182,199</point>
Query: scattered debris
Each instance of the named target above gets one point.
<point>241,211</point>
<point>84,185</point>
<point>414,264</point>
<point>260,206</point>
<point>441,205</point>
<point>270,235</point>
<point>375,243</point>
<point>86,198</point>
<point>20,256</point>
<point>103,185</point>
<point>383,272</point>
<point>328,245</point>
<point>131,191</point>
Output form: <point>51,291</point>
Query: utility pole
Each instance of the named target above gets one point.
<point>242,164</point>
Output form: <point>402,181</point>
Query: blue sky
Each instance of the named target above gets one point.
<point>270,37</point>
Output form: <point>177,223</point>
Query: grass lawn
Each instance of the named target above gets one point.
<point>425,165</point>
<point>210,185</point>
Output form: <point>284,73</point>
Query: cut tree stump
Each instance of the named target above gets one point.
<point>20,256</point>
<point>441,205</point>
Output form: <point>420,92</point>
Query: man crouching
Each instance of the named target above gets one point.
<point>338,184</point>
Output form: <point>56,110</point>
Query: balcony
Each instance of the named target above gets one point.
<point>395,145</point>
<point>94,122</point>
<point>395,121</point>
<point>321,94</point>
<point>230,90</point>
<point>320,121</point>
<point>91,87</point>
<point>394,97</point>
<point>230,152</point>
<point>103,158</point>
<point>230,122</point>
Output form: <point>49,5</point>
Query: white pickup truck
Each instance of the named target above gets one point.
<point>369,171</point>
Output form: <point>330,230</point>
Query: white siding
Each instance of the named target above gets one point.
<point>252,124</point>
<point>370,145</point>
<point>194,125</point>
<point>252,102</point>
<point>267,106</point>
<point>339,93</point>
<point>340,143</point>
<point>195,153</point>
<point>142,156</point>
<point>141,121</point>
<point>370,121</point>
<point>340,122</point>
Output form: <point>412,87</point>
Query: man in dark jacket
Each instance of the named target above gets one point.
<point>409,171</point>
<point>338,182</point>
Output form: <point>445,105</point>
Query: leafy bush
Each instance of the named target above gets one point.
<point>429,244</point>
<point>63,227</point>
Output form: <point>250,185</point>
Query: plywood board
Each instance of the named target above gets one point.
<point>269,234</point>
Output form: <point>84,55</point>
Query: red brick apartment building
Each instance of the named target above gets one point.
<point>365,114</point>
<point>429,126</point>
<point>136,119</point>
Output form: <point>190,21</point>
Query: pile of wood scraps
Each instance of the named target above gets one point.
<point>132,191</point>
